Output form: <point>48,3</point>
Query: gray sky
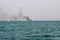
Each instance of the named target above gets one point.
<point>35,9</point>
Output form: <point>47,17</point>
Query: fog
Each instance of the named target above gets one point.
<point>35,9</point>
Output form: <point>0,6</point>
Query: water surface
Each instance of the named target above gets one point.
<point>33,30</point>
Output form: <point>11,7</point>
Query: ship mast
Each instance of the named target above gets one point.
<point>23,16</point>
<point>20,14</point>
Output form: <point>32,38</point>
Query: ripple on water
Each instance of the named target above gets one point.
<point>29,31</point>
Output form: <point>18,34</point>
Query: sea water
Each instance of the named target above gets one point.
<point>29,30</point>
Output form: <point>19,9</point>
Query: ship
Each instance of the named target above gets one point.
<point>18,17</point>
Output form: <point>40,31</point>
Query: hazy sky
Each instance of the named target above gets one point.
<point>35,9</point>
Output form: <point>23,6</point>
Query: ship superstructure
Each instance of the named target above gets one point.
<point>18,17</point>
